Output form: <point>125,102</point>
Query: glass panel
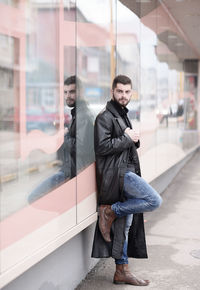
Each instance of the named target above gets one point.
<point>128,55</point>
<point>9,114</point>
<point>42,75</point>
<point>148,91</point>
<point>94,58</point>
<point>176,99</point>
<point>128,58</point>
<point>38,186</point>
<point>43,98</point>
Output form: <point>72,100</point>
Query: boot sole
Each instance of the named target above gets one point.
<point>118,282</point>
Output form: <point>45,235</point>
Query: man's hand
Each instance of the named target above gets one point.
<point>132,134</point>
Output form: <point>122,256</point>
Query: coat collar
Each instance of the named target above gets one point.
<point>117,116</point>
<point>110,107</point>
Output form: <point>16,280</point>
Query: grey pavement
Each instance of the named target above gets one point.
<point>173,240</point>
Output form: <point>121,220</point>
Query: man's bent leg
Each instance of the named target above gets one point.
<point>141,197</point>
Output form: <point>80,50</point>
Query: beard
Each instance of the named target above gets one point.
<point>70,102</point>
<point>123,102</point>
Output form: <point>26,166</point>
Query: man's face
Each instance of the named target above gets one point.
<point>122,94</point>
<point>70,95</point>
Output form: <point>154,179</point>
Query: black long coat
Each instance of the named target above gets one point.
<point>112,149</point>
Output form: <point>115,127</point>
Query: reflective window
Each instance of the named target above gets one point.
<point>10,121</point>
<point>38,136</point>
<point>95,69</point>
<point>148,92</point>
<point>42,63</point>
<point>128,55</point>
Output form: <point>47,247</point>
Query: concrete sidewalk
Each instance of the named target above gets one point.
<point>173,240</point>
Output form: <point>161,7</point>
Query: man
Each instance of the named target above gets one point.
<point>123,195</point>
<point>76,152</point>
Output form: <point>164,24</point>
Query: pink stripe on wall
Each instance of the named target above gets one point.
<point>45,209</point>
<point>86,183</point>
<point>38,139</point>
<point>42,211</point>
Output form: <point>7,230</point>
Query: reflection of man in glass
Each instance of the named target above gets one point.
<point>70,91</point>
<point>67,152</point>
<point>76,152</point>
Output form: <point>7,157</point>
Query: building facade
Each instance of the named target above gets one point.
<point>42,43</point>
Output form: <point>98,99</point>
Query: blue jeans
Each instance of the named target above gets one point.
<point>47,185</point>
<point>140,197</point>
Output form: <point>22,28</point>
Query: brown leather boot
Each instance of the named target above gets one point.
<point>124,276</point>
<point>106,218</point>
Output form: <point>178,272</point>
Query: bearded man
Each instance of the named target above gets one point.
<point>123,195</point>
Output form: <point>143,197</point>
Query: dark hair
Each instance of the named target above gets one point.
<point>122,79</point>
<point>73,80</point>
<point>70,80</point>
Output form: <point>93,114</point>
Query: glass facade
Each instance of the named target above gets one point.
<point>57,63</point>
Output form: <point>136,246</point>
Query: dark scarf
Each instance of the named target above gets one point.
<point>73,112</point>
<point>122,112</point>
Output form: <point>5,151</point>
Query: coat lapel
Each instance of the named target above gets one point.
<point>121,123</point>
<point>117,116</point>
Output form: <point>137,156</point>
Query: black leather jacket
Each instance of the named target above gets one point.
<point>112,150</point>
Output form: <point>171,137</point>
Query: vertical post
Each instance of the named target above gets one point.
<point>198,103</point>
<point>112,54</point>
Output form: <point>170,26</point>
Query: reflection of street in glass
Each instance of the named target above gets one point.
<point>152,134</point>
<point>39,119</point>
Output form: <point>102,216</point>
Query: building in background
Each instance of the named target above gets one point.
<point>42,42</point>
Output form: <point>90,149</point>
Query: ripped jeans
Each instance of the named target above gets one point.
<point>140,197</point>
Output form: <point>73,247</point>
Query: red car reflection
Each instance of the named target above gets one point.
<point>40,119</point>
<point>36,119</point>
